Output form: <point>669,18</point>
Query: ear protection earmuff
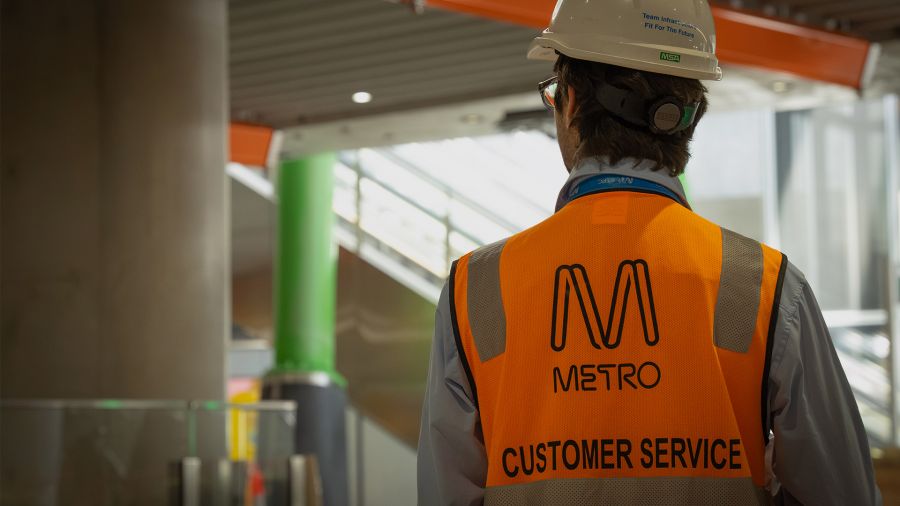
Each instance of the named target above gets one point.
<point>664,116</point>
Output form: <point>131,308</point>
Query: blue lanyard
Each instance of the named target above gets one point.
<point>611,182</point>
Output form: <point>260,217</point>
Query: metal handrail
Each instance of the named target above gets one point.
<point>521,198</point>
<point>262,186</point>
<point>407,200</point>
<point>144,404</point>
<point>449,228</point>
<point>440,185</point>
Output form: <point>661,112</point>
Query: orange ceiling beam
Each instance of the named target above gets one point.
<point>749,39</point>
<point>743,38</point>
<point>249,144</point>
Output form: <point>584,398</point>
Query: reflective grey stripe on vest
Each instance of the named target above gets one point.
<point>649,491</point>
<point>487,318</point>
<point>739,286</point>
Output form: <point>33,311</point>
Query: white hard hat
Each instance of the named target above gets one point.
<point>674,37</point>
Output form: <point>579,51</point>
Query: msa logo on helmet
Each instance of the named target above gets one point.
<point>670,57</point>
<point>572,285</point>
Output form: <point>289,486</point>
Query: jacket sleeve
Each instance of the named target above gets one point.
<point>821,451</point>
<point>452,463</point>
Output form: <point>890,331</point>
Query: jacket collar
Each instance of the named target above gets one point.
<point>629,167</point>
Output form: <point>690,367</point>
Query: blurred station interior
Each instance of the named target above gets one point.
<point>225,225</point>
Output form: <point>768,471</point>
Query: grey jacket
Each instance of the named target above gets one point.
<point>819,454</point>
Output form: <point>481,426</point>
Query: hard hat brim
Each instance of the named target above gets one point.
<point>545,47</point>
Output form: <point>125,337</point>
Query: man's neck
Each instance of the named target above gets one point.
<point>631,167</point>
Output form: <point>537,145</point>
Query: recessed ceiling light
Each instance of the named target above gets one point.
<point>781,86</point>
<point>362,97</point>
<point>472,119</point>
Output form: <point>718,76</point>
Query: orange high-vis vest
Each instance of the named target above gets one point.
<point>618,354</point>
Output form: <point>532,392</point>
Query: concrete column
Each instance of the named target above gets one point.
<point>115,266</point>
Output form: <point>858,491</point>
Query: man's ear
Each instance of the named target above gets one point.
<point>570,106</point>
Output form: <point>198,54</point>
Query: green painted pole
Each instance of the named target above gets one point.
<point>305,268</point>
<point>686,186</point>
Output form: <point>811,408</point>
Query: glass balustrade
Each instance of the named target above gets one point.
<point>113,452</point>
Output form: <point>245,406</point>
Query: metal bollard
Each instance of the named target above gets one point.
<point>189,490</point>
<point>304,481</point>
<point>221,492</point>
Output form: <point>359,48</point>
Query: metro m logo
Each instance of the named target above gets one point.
<point>571,278</point>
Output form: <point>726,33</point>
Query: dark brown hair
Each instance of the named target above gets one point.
<point>602,134</point>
